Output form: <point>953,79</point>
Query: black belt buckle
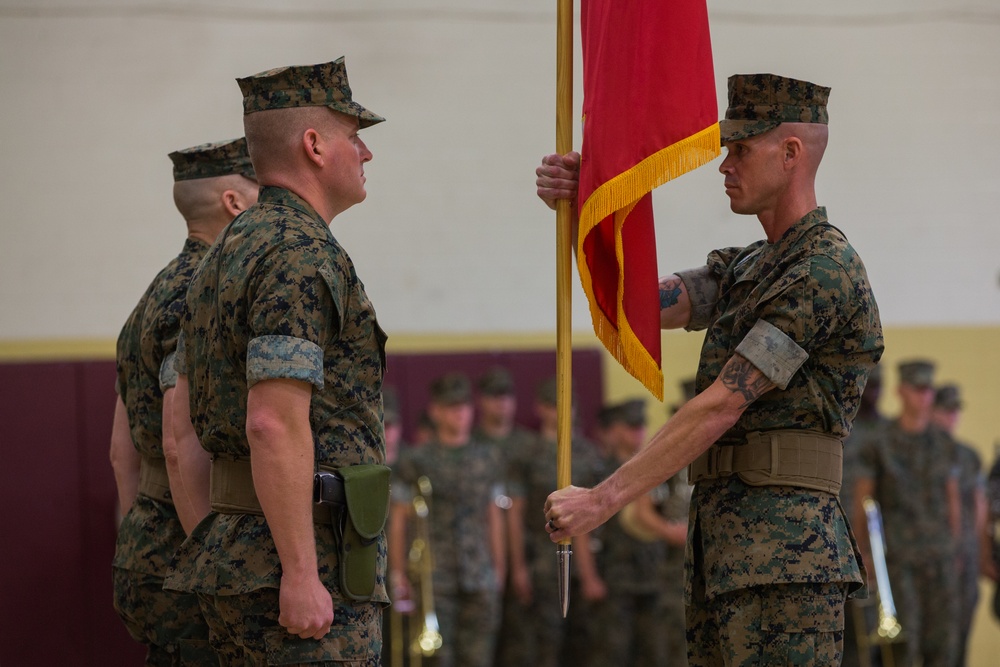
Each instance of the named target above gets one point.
<point>328,489</point>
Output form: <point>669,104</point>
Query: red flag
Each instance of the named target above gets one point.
<point>650,114</point>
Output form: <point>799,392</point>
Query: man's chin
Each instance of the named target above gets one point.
<point>739,209</point>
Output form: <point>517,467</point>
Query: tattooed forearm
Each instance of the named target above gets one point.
<point>670,292</point>
<point>740,376</point>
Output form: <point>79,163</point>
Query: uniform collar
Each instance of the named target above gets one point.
<point>272,194</point>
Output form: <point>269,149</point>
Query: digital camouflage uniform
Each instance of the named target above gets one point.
<point>169,623</point>
<point>277,297</point>
<point>538,630</point>
<point>769,567</point>
<point>911,472</point>
<point>466,598</point>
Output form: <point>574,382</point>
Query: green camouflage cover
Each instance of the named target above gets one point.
<point>221,158</point>
<point>324,84</point>
<point>761,102</point>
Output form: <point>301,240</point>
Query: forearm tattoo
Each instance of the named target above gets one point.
<point>670,292</point>
<point>740,376</point>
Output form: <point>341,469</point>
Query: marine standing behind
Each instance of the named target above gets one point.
<point>632,561</point>
<point>538,631</point>
<point>212,184</point>
<point>907,465</point>
<point>792,332</point>
<point>285,360</point>
<point>466,526</point>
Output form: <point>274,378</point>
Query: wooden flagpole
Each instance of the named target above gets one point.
<point>564,275</point>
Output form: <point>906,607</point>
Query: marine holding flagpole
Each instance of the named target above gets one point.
<point>792,333</point>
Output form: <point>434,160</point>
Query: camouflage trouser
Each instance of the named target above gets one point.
<point>170,624</point>
<point>926,597</point>
<point>244,632</point>
<point>512,649</point>
<point>532,634</point>
<point>634,629</point>
<point>584,633</point>
<point>469,623</point>
<point>780,624</point>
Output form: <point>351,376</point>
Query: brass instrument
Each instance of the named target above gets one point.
<point>887,630</point>
<point>429,640</point>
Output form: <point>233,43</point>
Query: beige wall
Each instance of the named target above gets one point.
<point>451,237</point>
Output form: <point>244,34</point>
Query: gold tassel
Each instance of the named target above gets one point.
<point>619,196</point>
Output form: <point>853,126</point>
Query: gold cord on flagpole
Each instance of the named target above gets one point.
<point>564,275</point>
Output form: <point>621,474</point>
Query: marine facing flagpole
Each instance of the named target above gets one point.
<point>564,276</point>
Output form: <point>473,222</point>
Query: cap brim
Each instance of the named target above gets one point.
<point>734,130</point>
<point>365,117</point>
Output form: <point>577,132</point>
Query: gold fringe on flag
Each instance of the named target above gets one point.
<point>619,196</point>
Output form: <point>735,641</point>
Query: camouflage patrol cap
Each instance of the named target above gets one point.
<point>496,382</point>
<point>323,85</point>
<point>918,373</point>
<point>221,158</point>
<point>948,397</point>
<point>606,415</point>
<point>451,389</point>
<point>762,102</point>
<point>390,405</point>
<point>631,413</point>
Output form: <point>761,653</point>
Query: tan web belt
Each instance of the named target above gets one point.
<point>232,490</point>
<point>153,480</point>
<point>806,459</point>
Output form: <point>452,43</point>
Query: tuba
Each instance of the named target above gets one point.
<point>428,640</point>
<point>887,630</point>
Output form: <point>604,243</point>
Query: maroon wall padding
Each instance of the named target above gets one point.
<point>57,492</point>
<point>57,523</point>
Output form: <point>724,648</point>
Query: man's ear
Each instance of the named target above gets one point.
<point>233,202</point>
<point>793,150</point>
<point>311,146</point>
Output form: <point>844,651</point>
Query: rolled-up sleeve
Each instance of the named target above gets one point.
<point>180,358</point>
<point>284,357</point>
<point>772,352</point>
<point>168,372</point>
<point>703,291</point>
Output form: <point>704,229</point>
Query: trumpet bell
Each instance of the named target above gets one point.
<point>429,640</point>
